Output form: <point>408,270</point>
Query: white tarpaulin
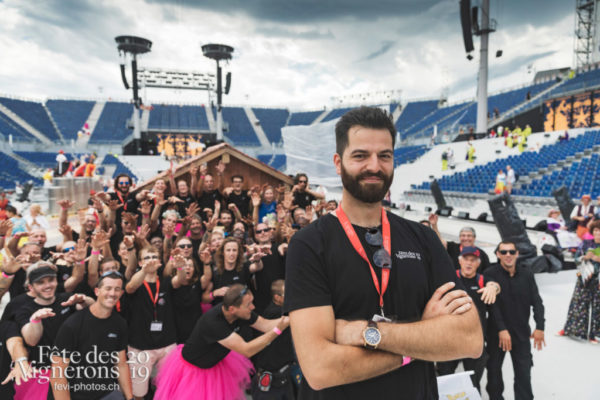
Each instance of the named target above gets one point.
<point>310,149</point>
<point>457,387</point>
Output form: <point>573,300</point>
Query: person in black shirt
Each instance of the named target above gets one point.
<point>213,363</point>
<point>303,196</point>
<point>92,344</point>
<point>509,328</point>
<point>31,253</point>
<point>236,195</point>
<point>12,349</point>
<point>466,239</point>
<point>328,283</point>
<point>40,320</point>
<point>273,267</point>
<point>207,195</point>
<point>230,268</point>
<point>483,291</point>
<point>124,196</point>
<point>273,379</point>
<point>153,335</point>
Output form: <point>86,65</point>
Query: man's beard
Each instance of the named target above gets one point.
<point>368,192</point>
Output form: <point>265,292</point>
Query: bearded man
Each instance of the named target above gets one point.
<point>390,277</point>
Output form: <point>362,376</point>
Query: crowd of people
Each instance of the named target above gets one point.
<point>187,275</point>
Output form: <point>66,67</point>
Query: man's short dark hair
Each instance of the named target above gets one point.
<point>506,242</point>
<point>594,225</point>
<point>298,176</point>
<point>11,209</point>
<point>277,287</point>
<point>235,295</point>
<point>369,117</point>
<point>238,177</point>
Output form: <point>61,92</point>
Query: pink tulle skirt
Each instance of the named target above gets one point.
<point>35,388</point>
<point>178,379</point>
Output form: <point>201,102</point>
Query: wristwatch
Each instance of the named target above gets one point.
<point>371,335</point>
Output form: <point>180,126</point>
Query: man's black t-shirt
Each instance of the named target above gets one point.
<point>202,348</point>
<point>14,305</point>
<point>50,324</point>
<point>187,309</point>
<point>454,251</point>
<point>302,199</point>
<point>281,351</point>
<point>207,200</point>
<point>130,204</point>
<point>472,286</point>
<point>273,269</point>
<point>141,316</point>
<point>323,269</point>
<point>242,202</point>
<point>95,344</point>
<point>8,329</point>
<point>17,286</point>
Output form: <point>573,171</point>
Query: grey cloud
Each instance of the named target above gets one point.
<point>280,32</point>
<point>385,47</point>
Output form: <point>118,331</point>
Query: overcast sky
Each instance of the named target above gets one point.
<point>288,53</point>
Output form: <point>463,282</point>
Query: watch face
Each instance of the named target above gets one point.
<point>372,336</point>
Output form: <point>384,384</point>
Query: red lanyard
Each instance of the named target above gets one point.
<point>122,201</point>
<point>387,245</point>
<point>154,299</point>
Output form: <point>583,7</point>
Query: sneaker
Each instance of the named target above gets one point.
<point>594,341</point>
<point>560,333</point>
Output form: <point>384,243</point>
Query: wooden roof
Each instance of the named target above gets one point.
<point>254,171</point>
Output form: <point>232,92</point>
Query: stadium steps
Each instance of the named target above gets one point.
<point>92,121</point>
<point>258,130</point>
<point>321,117</point>
<point>25,164</point>
<point>144,120</point>
<point>212,123</point>
<point>21,122</point>
<point>397,113</point>
<point>446,118</point>
<point>53,122</point>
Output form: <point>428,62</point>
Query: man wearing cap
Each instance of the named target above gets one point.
<point>583,213</point>
<point>466,239</point>
<point>483,291</point>
<point>40,320</point>
<point>94,331</point>
<point>508,329</point>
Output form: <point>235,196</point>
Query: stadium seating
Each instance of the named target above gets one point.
<point>272,120</point>
<point>240,132</point>
<point>70,115</point>
<point>415,111</point>
<point>304,117</point>
<point>112,124</point>
<point>582,81</point>
<point>10,173</point>
<point>406,154</point>
<point>443,117</point>
<point>482,178</point>
<point>34,114</point>
<point>338,112</point>
<point>178,117</point>
<point>109,159</point>
<point>44,160</point>
<point>277,161</point>
<point>9,127</point>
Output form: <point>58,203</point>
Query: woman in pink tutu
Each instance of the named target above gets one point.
<point>213,364</point>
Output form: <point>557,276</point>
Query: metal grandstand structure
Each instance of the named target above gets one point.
<point>586,47</point>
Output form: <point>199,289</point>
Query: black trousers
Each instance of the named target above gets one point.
<point>522,363</point>
<point>477,365</point>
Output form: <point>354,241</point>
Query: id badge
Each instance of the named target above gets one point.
<point>380,318</point>
<point>155,326</point>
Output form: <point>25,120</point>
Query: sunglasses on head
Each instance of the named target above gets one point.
<point>110,274</point>
<point>68,249</point>
<point>185,246</point>
<point>259,231</point>
<point>381,258</point>
<point>243,292</point>
<point>505,252</point>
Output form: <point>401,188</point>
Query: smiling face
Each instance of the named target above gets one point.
<point>268,196</point>
<point>108,292</point>
<point>367,164</point>
<point>159,186</point>
<point>507,260</point>
<point>182,187</point>
<point>209,183</point>
<point>468,265</point>
<point>467,238</point>
<point>38,236</point>
<point>44,288</point>
<point>185,245</point>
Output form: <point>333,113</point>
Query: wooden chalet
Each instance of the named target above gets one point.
<point>254,171</point>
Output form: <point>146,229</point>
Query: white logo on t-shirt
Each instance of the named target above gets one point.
<point>64,311</point>
<point>401,255</point>
<point>112,335</point>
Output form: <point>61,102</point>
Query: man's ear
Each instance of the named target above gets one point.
<point>337,161</point>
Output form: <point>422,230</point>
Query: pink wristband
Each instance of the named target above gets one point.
<point>277,331</point>
<point>180,268</point>
<point>5,275</point>
<point>95,252</point>
<point>212,297</point>
<point>35,321</point>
